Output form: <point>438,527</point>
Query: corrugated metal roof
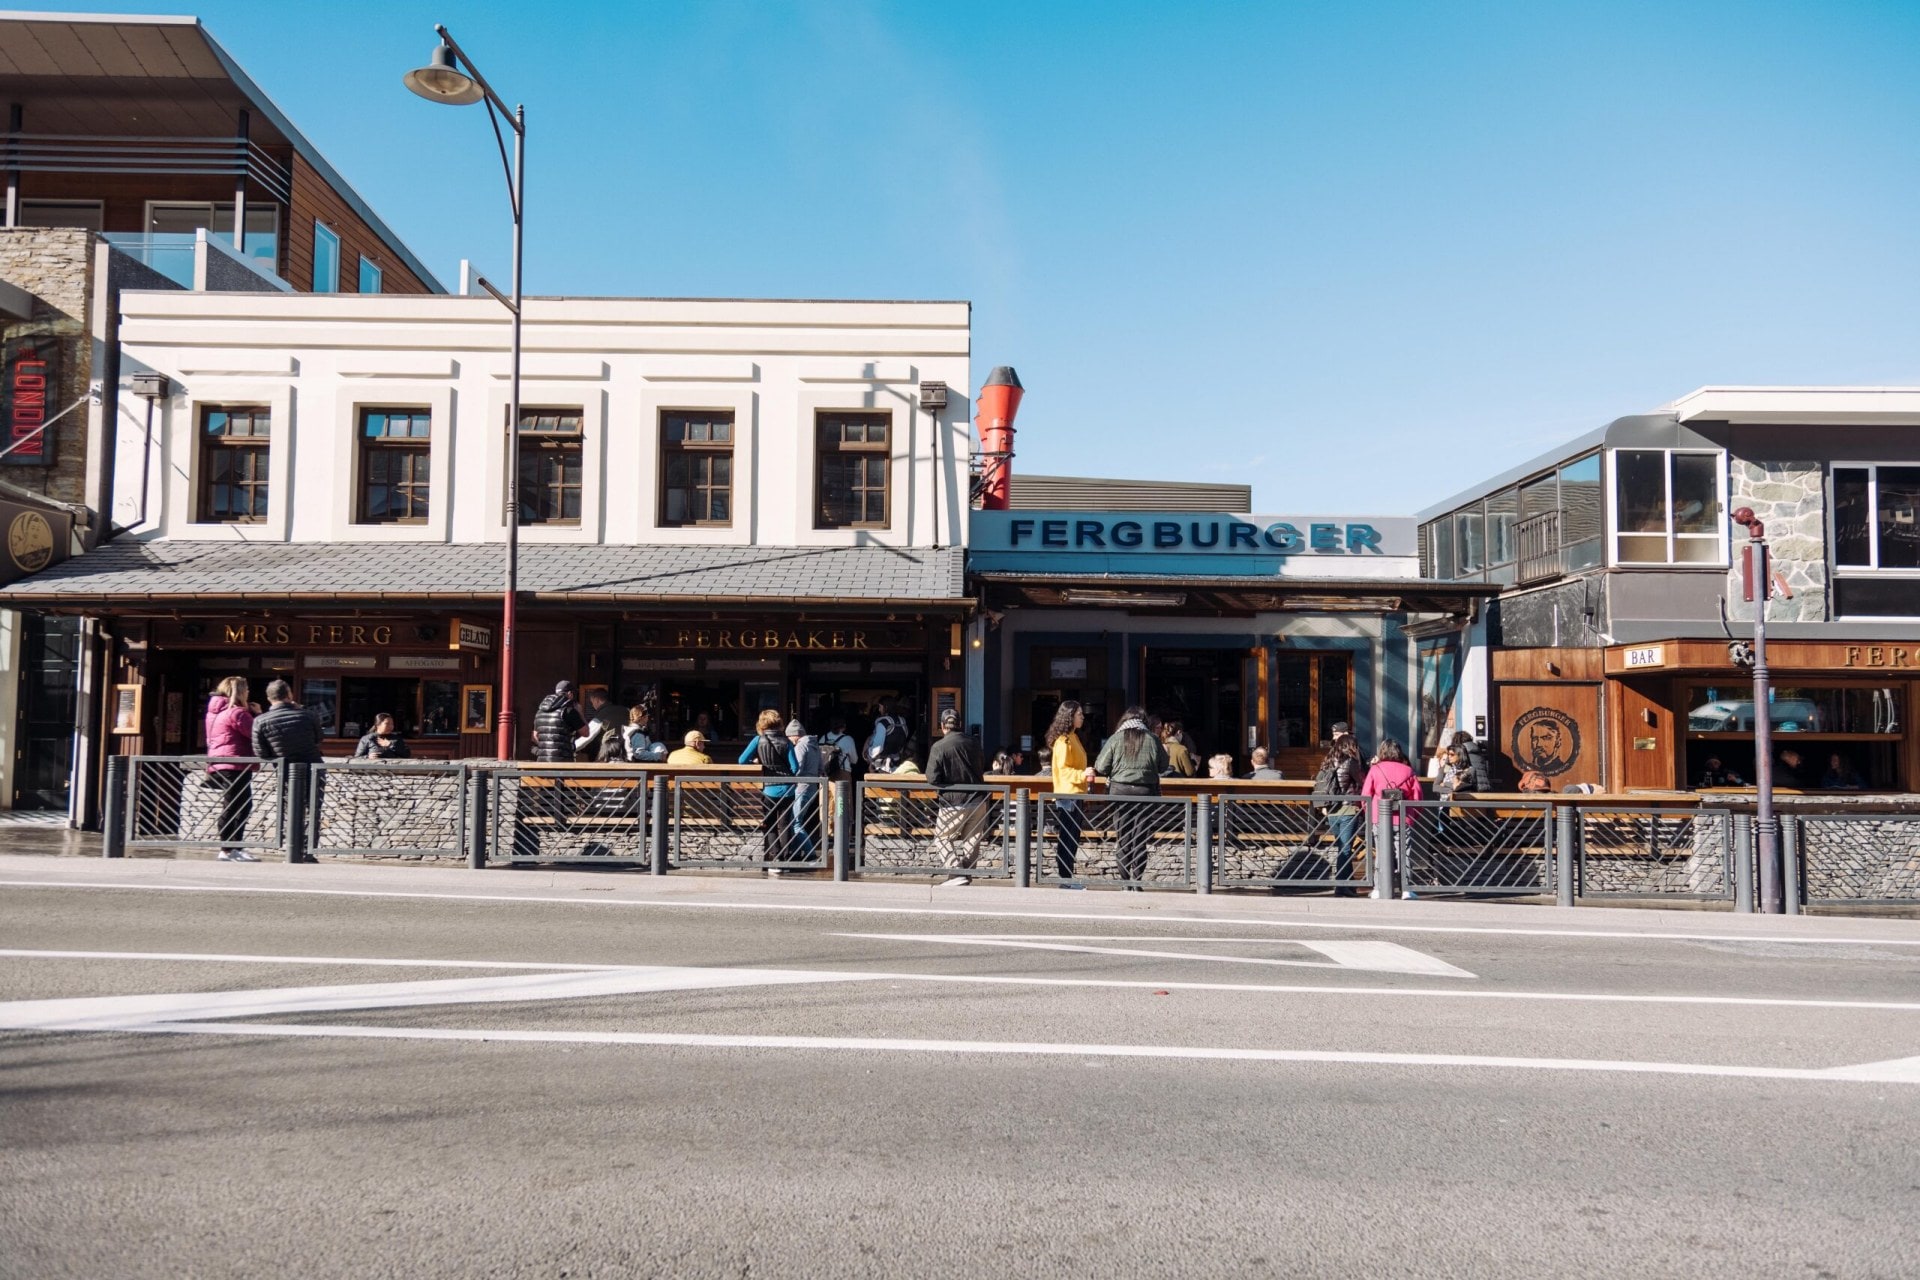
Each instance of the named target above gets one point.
<point>1079,493</point>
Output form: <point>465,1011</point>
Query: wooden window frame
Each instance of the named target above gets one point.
<point>700,453</point>
<point>826,451</point>
<point>556,440</point>
<point>256,446</point>
<point>371,447</point>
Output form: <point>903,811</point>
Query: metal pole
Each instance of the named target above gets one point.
<point>842,830</point>
<point>1742,861</point>
<point>662,835</point>
<point>1790,834</point>
<point>113,823</point>
<point>293,781</point>
<point>508,743</point>
<point>244,126</point>
<point>1380,836</point>
<point>1566,825</point>
<point>1022,839</point>
<point>14,121</point>
<point>1203,838</point>
<point>477,783</point>
<point>1766,829</point>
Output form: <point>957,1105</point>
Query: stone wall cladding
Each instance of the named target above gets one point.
<point>55,265</point>
<point>384,810</point>
<point>1791,498</point>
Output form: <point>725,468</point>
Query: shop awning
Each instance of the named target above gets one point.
<point>1176,594</point>
<point>131,574</point>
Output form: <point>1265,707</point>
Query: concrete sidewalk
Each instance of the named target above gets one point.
<point>598,888</point>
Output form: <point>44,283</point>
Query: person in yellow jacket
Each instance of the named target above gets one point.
<point>694,752</point>
<point>1070,778</point>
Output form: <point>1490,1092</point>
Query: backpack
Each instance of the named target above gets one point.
<point>772,757</point>
<point>1325,781</point>
<point>892,734</point>
<point>834,764</point>
<point>612,748</point>
<point>1534,780</point>
<point>596,749</point>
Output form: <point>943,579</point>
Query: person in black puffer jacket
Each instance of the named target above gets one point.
<point>555,725</point>
<point>286,730</point>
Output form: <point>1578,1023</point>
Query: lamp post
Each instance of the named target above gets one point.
<point>450,77</point>
<point>1766,828</point>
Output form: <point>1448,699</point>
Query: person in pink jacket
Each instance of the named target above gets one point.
<point>1390,772</point>
<point>230,735</point>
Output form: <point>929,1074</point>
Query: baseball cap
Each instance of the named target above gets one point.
<point>565,686</point>
<point>949,719</point>
<point>695,738</point>
<point>1340,727</point>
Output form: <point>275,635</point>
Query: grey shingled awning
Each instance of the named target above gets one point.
<point>177,573</point>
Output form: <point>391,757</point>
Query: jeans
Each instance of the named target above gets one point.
<point>806,823</point>
<point>1343,828</point>
<point>1069,820</point>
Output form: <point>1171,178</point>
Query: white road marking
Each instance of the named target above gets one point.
<point>1347,926</point>
<point>1898,1072</point>
<point>1376,957</point>
<point>380,962</point>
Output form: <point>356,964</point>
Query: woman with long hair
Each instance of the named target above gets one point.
<point>1070,774</point>
<point>230,735</point>
<point>774,754</point>
<point>1340,776</point>
<point>1132,761</point>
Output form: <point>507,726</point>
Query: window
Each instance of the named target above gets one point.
<point>177,217</point>
<point>234,443</point>
<point>326,259</point>
<point>1667,507</point>
<point>1503,513</point>
<point>853,469</point>
<point>396,453</point>
<point>369,277</point>
<point>696,468</point>
<point>1583,514</point>
<point>1470,543</point>
<point>1828,735</point>
<point>550,466</point>
<point>1311,692</point>
<point>85,214</point>
<point>1876,541</point>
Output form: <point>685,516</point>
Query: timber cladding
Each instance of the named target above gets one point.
<point>1547,664</point>
<point>315,200</point>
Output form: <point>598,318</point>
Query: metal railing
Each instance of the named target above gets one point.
<point>1856,858</point>
<point>771,822</point>
<point>1133,842</point>
<point>169,157</point>
<point>1654,853</point>
<point>1536,543</point>
<point>1292,842</point>
<point>551,813</point>
<point>1475,846</point>
<point>180,802</point>
<point>908,828</point>
<point>387,808</point>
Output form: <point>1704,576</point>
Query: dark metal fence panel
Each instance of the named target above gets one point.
<point>400,808</point>
<point>1476,846</point>
<point>178,802</point>
<point>1654,853</point>
<point>552,813</point>
<point>1137,842</point>
<point>783,823</point>
<point>1282,842</point>
<point>910,828</point>
<point>1860,858</point>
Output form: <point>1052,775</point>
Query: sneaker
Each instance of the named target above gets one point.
<point>234,855</point>
<point>773,873</point>
<point>952,881</point>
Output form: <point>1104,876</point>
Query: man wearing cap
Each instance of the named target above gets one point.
<point>555,725</point>
<point>960,819</point>
<point>694,752</point>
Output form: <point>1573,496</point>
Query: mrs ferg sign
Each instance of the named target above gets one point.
<point>26,397</point>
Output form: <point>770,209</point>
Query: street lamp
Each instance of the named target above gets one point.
<point>451,77</point>
<point>1766,828</point>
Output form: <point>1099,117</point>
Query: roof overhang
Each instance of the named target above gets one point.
<point>1800,406</point>
<point>1187,595</point>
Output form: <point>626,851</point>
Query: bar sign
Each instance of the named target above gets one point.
<point>1651,656</point>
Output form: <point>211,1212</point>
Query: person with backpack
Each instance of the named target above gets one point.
<point>770,750</point>
<point>889,743</point>
<point>600,725</point>
<point>1340,776</point>
<point>960,816</point>
<point>807,763</point>
<point>1390,772</point>
<point>1132,761</point>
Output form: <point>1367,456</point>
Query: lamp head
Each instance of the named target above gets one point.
<point>442,81</point>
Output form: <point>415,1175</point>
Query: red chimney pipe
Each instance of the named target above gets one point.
<point>999,403</point>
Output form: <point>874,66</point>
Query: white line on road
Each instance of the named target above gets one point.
<point>1349,926</point>
<point>1899,1071</point>
<point>1376,957</point>
<point>1442,993</point>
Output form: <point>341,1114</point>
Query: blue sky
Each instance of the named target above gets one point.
<point>1359,254</point>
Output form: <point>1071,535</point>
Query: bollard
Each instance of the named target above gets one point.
<point>477,784</point>
<point>1742,862</point>
<point>113,821</point>
<point>657,823</point>
<point>843,803</point>
<point>1203,839</point>
<point>1565,831</point>
<point>294,830</point>
<point>1790,858</point>
<point>1380,838</point>
<point>1022,839</point>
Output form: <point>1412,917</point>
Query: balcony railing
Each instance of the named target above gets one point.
<point>78,153</point>
<point>1537,539</point>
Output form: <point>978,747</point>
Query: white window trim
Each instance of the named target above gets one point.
<point>379,276</point>
<point>318,228</point>
<point>1873,570</point>
<point>213,208</point>
<point>1612,482</point>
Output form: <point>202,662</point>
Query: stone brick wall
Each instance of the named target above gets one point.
<point>55,265</point>
<point>1791,498</point>
<point>389,811</point>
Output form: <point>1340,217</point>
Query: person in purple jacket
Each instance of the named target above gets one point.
<point>230,735</point>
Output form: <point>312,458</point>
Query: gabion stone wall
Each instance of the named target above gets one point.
<point>388,812</point>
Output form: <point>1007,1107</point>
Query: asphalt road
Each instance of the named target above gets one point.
<point>218,1070</point>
